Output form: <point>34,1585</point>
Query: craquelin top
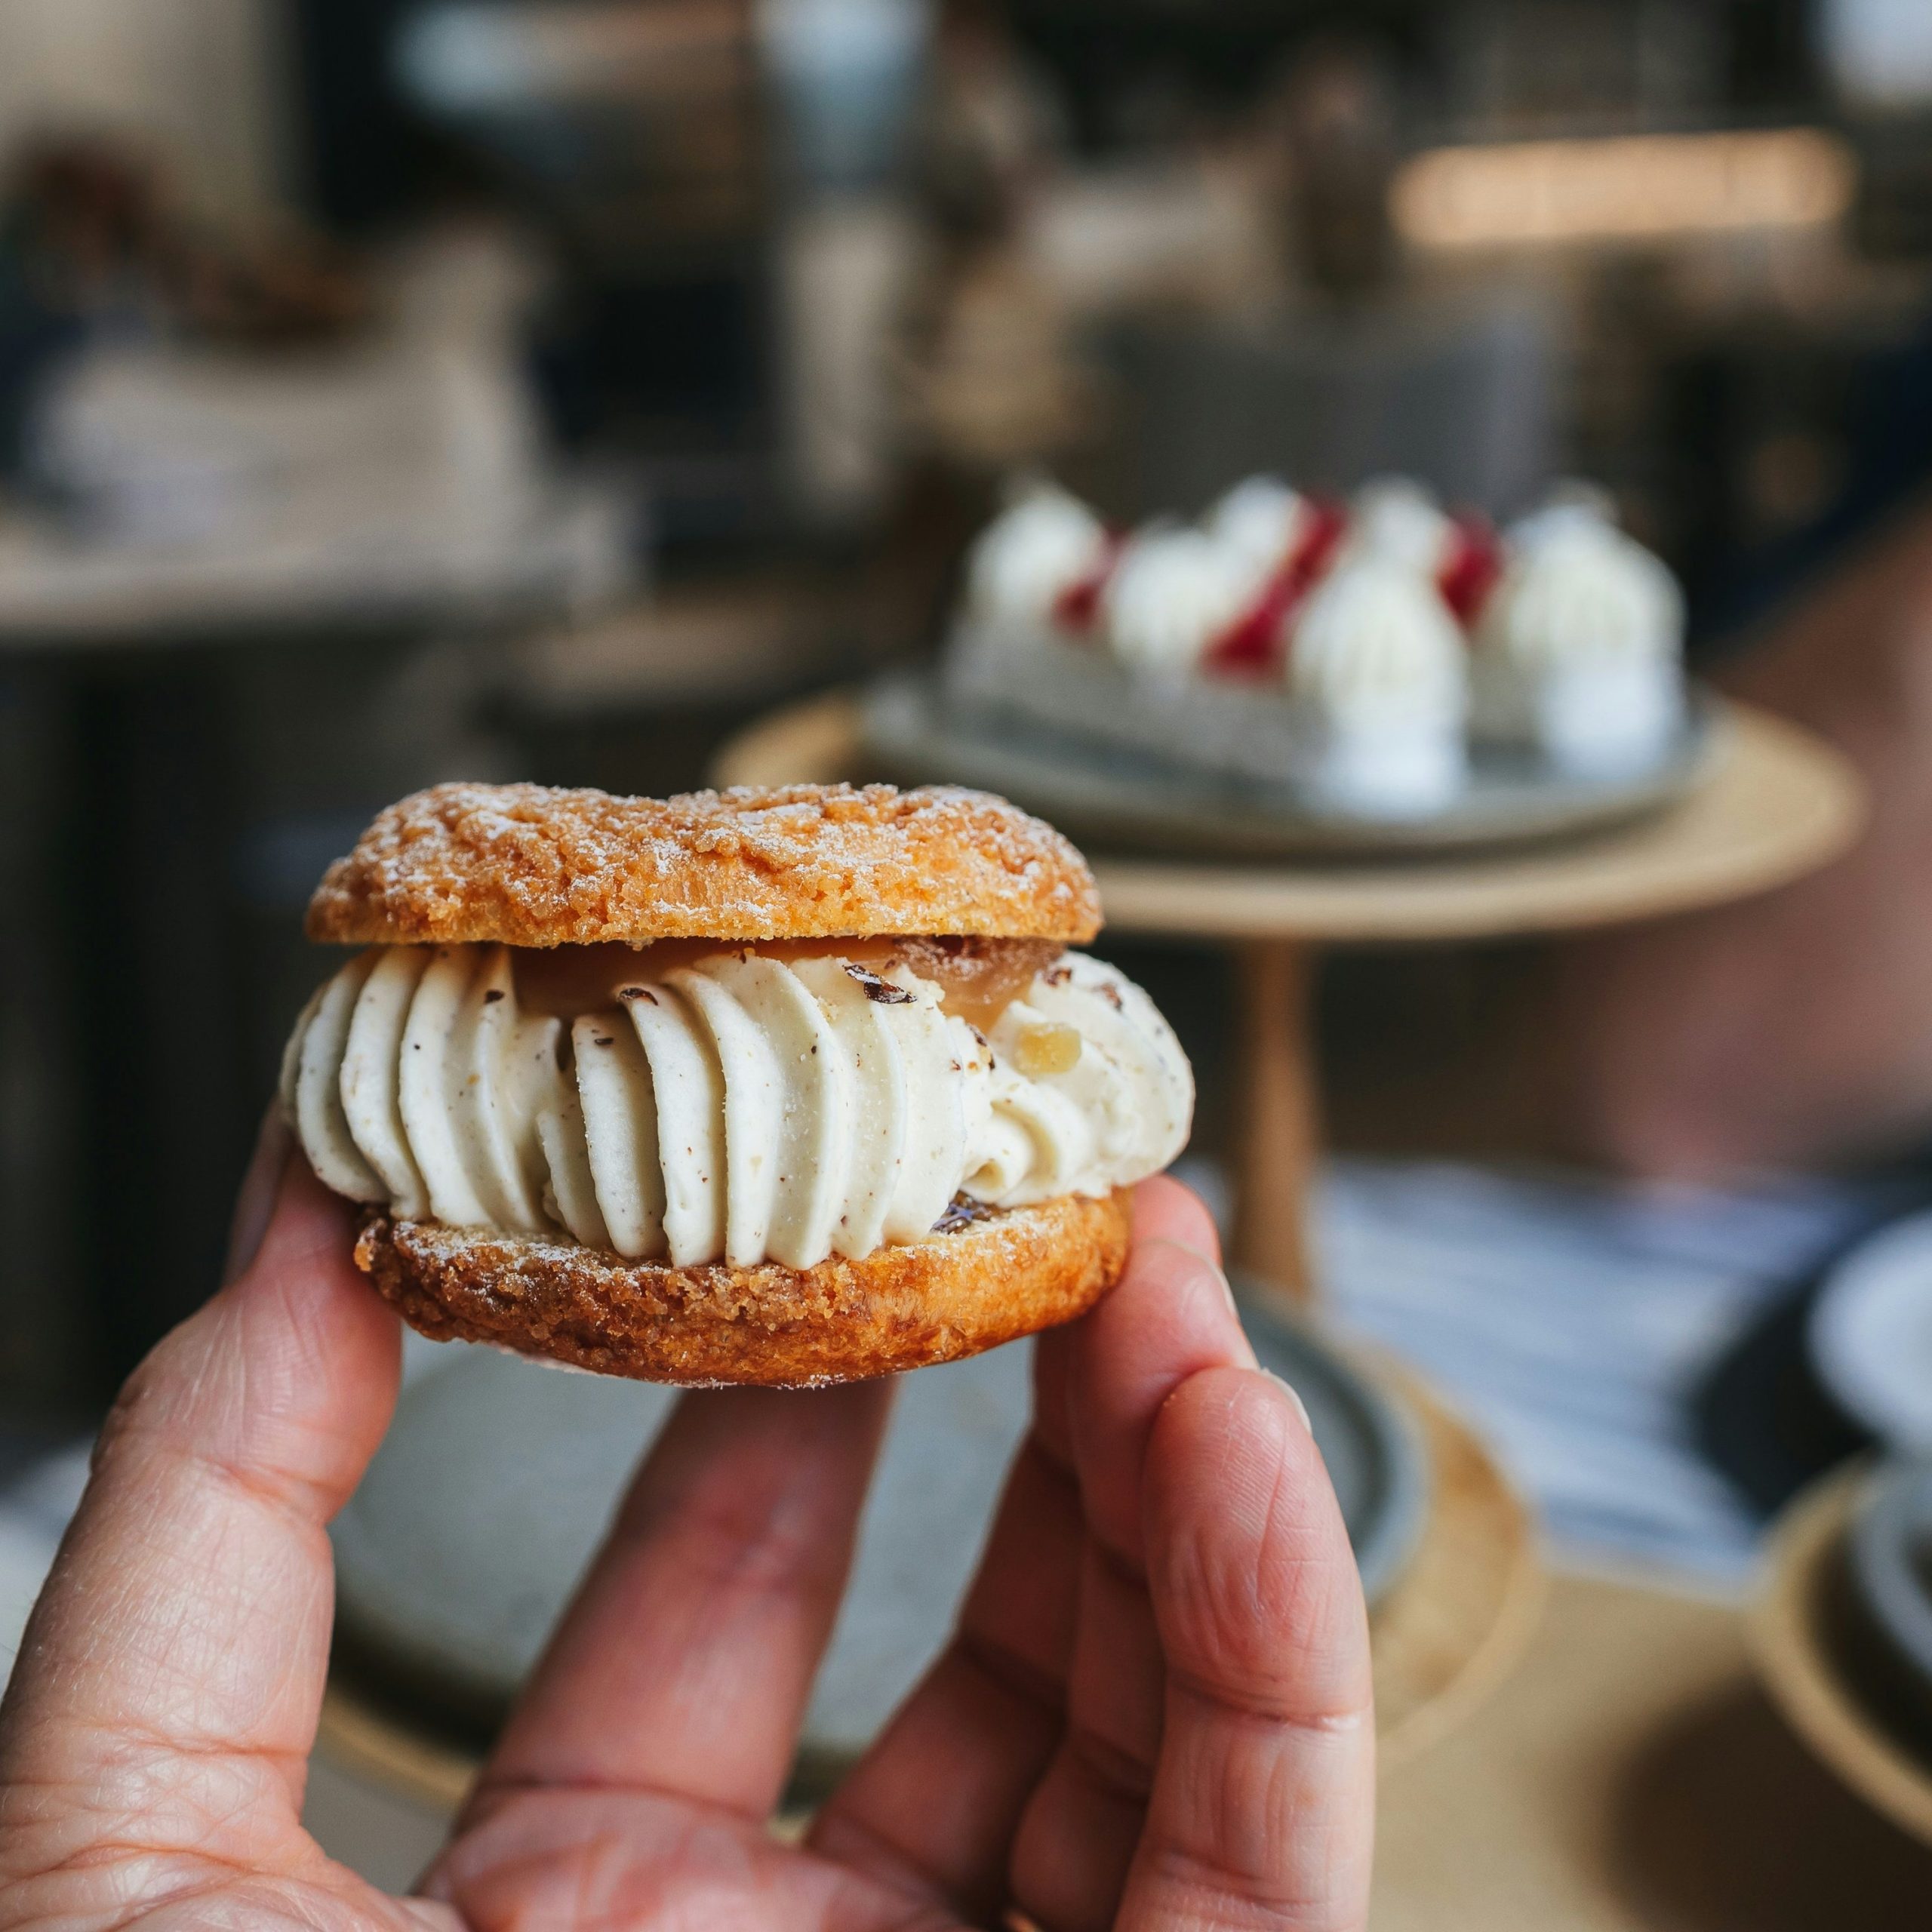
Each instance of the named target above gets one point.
<point>526,864</point>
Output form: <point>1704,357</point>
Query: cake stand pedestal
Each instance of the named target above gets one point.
<point>1776,803</point>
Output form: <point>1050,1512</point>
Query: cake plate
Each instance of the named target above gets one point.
<point>914,730</point>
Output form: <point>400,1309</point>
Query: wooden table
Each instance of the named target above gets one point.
<point>1633,1777</point>
<point>1777,803</point>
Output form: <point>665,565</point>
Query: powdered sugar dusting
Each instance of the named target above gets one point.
<point>529,866</point>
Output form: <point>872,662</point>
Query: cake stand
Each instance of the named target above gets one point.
<point>1775,804</point>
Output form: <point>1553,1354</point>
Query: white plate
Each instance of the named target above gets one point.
<point>1870,1334</point>
<point>1108,795</point>
<point>1888,1548</point>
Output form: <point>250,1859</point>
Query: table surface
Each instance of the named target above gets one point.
<point>1776,804</point>
<point>1632,1775</point>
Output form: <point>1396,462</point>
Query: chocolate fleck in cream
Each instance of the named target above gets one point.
<point>961,1212</point>
<point>881,992</point>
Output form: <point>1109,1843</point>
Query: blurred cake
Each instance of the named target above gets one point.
<point>1349,652</point>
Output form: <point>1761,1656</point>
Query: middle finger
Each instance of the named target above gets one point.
<point>685,1663</point>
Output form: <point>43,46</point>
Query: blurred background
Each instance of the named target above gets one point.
<point>399,390</point>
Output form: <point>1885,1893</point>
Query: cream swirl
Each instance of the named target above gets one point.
<point>1578,588</point>
<point>1263,521</point>
<point>1173,592</point>
<point>741,1107</point>
<point>1044,547</point>
<point>1376,642</point>
<point>1400,522</point>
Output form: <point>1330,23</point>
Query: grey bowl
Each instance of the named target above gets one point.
<point>1368,1439</point>
<point>499,1476</point>
<point>1888,1553</point>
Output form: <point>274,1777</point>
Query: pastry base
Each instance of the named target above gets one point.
<point>1009,1274</point>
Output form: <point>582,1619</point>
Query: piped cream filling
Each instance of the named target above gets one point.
<point>737,1107</point>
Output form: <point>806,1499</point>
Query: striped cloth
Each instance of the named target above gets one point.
<point>1573,1322</point>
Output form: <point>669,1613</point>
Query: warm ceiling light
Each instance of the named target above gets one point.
<point>1625,187</point>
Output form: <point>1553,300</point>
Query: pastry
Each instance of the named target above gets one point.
<point>1579,653</point>
<point>785,1087</point>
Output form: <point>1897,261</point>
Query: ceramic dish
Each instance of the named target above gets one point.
<point>499,1474</point>
<point>1888,1555</point>
<point>1870,1335</point>
<point>913,732</point>
<point>1815,1655</point>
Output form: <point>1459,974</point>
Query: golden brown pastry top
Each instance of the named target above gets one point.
<point>525,865</point>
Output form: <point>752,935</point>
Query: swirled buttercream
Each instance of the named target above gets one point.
<point>1376,641</point>
<point>1376,675</point>
<point>1038,564</point>
<point>740,1106</point>
<point>1578,588</point>
<point>1580,651</point>
<point>1173,592</point>
<point>1401,522</point>
<point>1263,521</point>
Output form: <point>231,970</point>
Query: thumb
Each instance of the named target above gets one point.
<point>1264,1805</point>
<point>176,1660</point>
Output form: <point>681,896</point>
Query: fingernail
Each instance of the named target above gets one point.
<point>256,1201</point>
<point>1208,1262</point>
<point>1220,1274</point>
<point>1300,1407</point>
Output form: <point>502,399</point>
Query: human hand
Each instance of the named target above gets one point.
<point>1154,1712</point>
